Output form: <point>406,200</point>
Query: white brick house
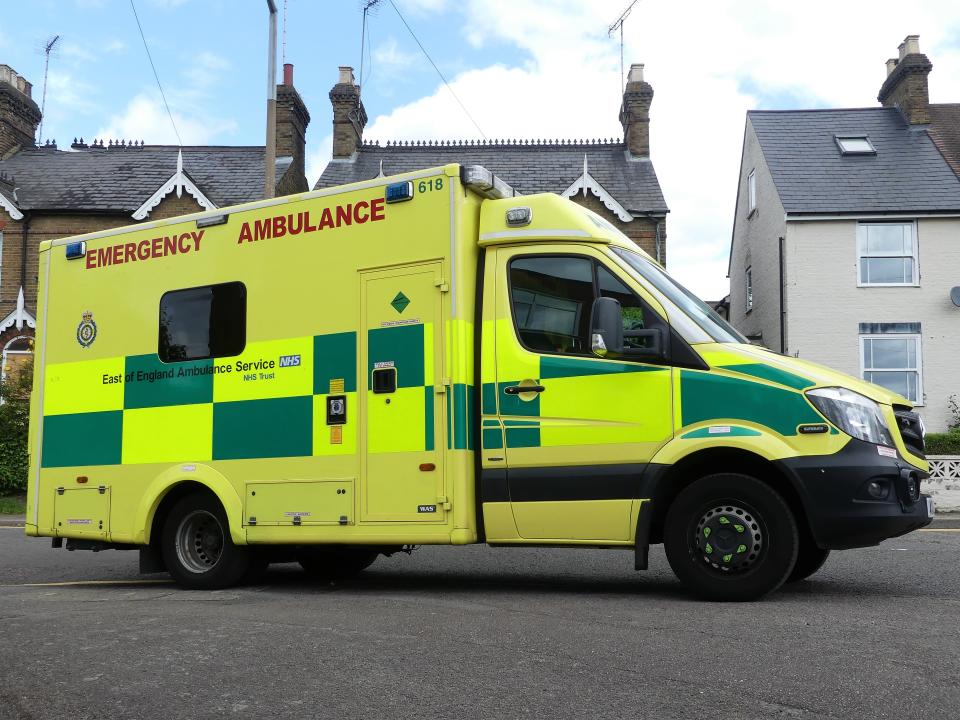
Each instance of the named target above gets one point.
<point>846,238</point>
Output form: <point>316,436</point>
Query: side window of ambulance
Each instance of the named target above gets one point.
<point>552,298</point>
<point>636,314</point>
<point>203,322</point>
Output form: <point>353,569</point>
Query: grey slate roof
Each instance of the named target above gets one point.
<point>908,173</point>
<point>122,179</point>
<point>529,168</point>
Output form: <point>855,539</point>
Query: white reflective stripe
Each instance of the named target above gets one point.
<point>538,233</point>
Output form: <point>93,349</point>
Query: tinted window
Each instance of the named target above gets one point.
<point>552,299</point>
<point>636,315</point>
<point>203,322</point>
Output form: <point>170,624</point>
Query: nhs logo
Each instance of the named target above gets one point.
<point>289,360</point>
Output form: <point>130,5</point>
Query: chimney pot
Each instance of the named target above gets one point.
<point>288,74</point>
<point>910,46</point>
<point>891,66</point>
<point>346,75</point>
<point>636,73</point>
<point>905,86</point>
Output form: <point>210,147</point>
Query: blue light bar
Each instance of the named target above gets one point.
<point>398,192</point>
<point>76,250</point>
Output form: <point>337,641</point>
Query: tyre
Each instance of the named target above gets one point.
<point>196,544</point>
<point>730,537</point>
<point>336,563</point>
<point>809,560</point>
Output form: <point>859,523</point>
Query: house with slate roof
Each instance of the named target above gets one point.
<point>613,177</point>
<point>846,237</point>
<point>48,193</point>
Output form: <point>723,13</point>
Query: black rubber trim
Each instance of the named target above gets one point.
<point>478,390</point>
<point>576,482</point>
<point>493,485</point>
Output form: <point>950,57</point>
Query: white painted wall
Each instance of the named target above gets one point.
<point>755,243</point>
<point>826,306</point>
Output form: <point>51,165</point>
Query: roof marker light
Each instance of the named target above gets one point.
<point>519,216</point>
<point>76,250</point>
<point>212,220</point>
<point>399,192</point>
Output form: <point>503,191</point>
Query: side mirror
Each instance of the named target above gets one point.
<point>606,327</point>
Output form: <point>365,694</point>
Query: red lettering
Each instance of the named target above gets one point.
<point>343,215</point>
<point>182,244</point>
<point>245,234</point>
<point>197,237</point>
<point>356,212</point>
<point>377,206</point>
<point>169,245</point>
<point>129,252</point>
<point>279,226</point>
<point>326,219</point>
<point>117,254</point>
<point>261,229</point>
<point>295,229</point>
<point>91,259</point>
<point>143,250</point>
<point>307,226</point>
<point>156,247</point>
<point>105,256</point>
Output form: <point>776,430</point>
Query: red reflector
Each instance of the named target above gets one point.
<point>81,479</point>
<point>427,467</point>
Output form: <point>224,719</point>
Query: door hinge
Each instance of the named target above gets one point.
<point>444,502</point>
<point>441,285</point>
<point>442,387</point>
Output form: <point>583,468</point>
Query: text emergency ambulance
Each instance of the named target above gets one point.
<point>430,359</point>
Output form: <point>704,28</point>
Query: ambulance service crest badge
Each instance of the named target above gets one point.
<point>86,330</point>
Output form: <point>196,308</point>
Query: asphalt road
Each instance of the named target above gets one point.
<point>480,632</point>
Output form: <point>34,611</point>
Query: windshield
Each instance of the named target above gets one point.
<point>693,307</point>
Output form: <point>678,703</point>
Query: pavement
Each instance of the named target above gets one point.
<point>480,632</point>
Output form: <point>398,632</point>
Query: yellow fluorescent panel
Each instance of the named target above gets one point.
<point>323,439</point>
<point>88,386</point>
<point>168,434</point>
<point>401,415</point>
<point>272,369</point>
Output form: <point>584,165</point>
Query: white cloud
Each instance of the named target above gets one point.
<point>205,69</point>
<point>706,72</point>
<point>388,58</point>
<point>317,160</point>
<point>422,6</point>
<point>145,118</point>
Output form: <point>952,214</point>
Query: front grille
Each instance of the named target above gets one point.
<point>911,430</point>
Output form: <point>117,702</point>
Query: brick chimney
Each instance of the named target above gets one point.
<point>635,113</point>
<point>349,117</point>
<point>906,85</point>
<point>19,114</point>
<point>292,121</point>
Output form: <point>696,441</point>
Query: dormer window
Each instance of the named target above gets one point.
<point>855,145</point>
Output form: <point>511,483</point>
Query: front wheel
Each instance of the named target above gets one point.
<point>809,560</point>
<point>196,545</point>
<point>730,537</point>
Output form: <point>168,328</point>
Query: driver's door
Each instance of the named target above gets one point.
<point>578,429</point>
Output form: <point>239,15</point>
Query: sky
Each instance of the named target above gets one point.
<point>523,69</point>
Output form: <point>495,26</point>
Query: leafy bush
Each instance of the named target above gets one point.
<point>14,424</point>
<point>947,443</point>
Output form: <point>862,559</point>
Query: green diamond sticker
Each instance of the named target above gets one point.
<point>727,558</point>
<point>400,302</point>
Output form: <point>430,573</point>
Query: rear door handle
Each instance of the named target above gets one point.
<point>517,389</point>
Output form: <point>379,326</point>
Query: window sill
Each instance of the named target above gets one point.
<point>888,285</point>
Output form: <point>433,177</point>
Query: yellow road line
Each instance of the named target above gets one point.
<point>940,530</point>
<point>74,583</point>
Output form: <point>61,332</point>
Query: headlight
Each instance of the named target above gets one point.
<point>856,415</point>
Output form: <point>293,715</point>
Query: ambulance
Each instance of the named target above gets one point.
<point>432,359</point>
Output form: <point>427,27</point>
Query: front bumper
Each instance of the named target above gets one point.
<point>841,515</point>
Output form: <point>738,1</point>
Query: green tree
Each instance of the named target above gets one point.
<point>14,426</point>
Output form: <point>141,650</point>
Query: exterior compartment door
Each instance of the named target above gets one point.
<point>82,512</point>
<point>402,415</point>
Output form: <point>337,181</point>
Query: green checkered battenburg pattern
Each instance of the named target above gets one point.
<point>269,427</point>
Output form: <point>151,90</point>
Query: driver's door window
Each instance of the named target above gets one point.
<point>636,315</point>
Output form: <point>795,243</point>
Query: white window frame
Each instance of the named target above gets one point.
<point>861,249</point>
<point>871,149</point>
<point>748,288</point>
<point>896,336</point>
<point>751,192</point>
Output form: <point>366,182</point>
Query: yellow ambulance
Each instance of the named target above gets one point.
<point>433,359</point>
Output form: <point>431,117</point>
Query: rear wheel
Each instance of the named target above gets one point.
<point>809,560</point>
<point>196,544</point>
<point>731,537</point>
<point>336,563</point>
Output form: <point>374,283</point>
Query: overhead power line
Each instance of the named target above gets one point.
<point>155,75</point>
<point>427,55</point>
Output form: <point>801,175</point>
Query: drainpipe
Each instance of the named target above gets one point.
<point>783,326</point>
<point>25,233</point>
<point>270,154</point>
